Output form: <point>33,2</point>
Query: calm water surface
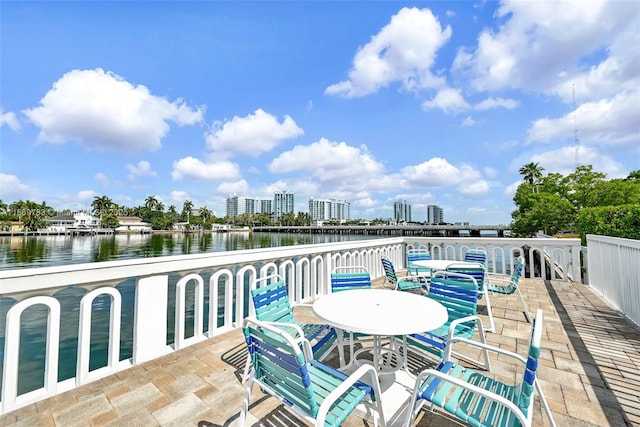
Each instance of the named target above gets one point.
<point>41,251</point>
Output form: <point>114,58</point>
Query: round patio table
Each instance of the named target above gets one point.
<point>442,264</point>
<point>380,313</point>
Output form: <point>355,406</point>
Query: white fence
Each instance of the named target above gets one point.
<point>162,290</point>
<point>614,272</point>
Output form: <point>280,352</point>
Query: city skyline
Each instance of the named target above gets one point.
<point>428,102</point>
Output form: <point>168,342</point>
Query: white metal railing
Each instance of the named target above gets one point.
<point>614,272</point>
<point>226,277</point>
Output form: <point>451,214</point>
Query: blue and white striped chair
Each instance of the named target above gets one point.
<point>344,278</point>
<point>422,273</point>
<point>400,284</point>
<point>284,367</point>
<point>477,398</point>
<point>478,272</point>
<point>497,284</point>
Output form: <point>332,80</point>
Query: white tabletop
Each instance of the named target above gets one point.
<point>380,312</point>
<point>442,264</point>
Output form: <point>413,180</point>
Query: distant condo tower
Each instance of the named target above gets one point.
<point>402,211</point>
<point>329,209</point>
<point>435,214</point>
<point>282,203</point>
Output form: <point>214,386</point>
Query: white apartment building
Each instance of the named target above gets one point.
<point>329,209</point>
<point>247,205</point>
<point>283,203</point>
<point>435,214</point>
<point>402,211</point>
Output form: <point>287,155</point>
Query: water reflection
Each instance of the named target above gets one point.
<point>39,251</point>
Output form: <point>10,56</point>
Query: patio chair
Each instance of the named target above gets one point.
<point>284,367</point>
<point>398,283</point>
<point>459,295</point>
<point>272,304</point>
<point>505,285</point>
<point>478,272</point>
<point>479,399</point>
<point>344,278</point>
<point>476,255</point>
<point>422,273</point>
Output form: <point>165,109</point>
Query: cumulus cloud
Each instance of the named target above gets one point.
<point>448,100</point>
<point>10,119</point>
<point>190,167</point>
<point>608,122</point>
<point>11,188</point>
<point>102,179</point>
<point>511,189</point>
<point>537,42</point>
<point>328,161</point>
<point>254,134</point>
<point>438,172</point>
<point>143,168</point>
<point>468,122</point>
<point>563,161</point>
<point>238,187</point>
<point>491,103</point>
<point>102,111</point>
<point>403,51</point>
<point>474,188</point>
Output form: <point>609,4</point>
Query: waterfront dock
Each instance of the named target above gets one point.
<point>589,373</point>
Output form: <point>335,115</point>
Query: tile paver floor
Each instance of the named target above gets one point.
<point>589,373</point>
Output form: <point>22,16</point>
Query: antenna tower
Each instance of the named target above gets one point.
<point>576,141</point>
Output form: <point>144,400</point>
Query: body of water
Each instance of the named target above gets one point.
<point>42,251</point>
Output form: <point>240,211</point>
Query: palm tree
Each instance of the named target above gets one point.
<point>101,205</point>
<point>187,208</point>
<point>151,202</point>
<point>532,173</point>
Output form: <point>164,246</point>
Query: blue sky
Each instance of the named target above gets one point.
<point>365,101</point>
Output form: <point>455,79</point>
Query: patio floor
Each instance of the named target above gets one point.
<point>589,373</point>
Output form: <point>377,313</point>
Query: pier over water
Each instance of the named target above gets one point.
<point>428,230</point>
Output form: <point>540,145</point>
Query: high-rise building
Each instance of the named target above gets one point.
<point>283,202</point>
<point>402,211</point>
<point>329,209</point>
<point>246,205</point>
<point>435,214</point>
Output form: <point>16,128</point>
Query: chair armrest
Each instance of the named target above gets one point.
<point>474,389</point>
<point>362,371</point>
<point>452,325</point>
<point>489,348</point>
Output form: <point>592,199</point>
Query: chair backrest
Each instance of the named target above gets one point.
<point>350,277</point>
<point>280,365</point>
<point>389,271</point>
<point>518,270</point>
<point>475,270</point>
<point>476,255</point>
<point>417,255</point>
<point>271,300</point>
<point>459,295</point>
<point>524,400</point>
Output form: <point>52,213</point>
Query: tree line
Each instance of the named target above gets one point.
<point>583,201</point>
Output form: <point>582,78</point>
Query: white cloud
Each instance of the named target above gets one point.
<point>491,103</point>
<point>438,172</point>
<point>328,161</point>
<point>474,188</point>
<point>11,189</point>
<point>563,161</point>
<point>510,190</point>
<point>254,134</point>
<point>104,112</point>
<point>237,187</point>
<point>143,168</point>
<point>10,119</point>
<point>177,198</point>
<point>190,167</point>
<point>468,122</point>
<point>608,122</point>
<point>448,100</point>
<point>102,179</point>
<point>403,51</point>
<point>537,42</point>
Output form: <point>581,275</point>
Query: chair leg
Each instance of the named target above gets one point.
<point>492,324</point>
<point>545,404</point>
<point>247,369</point>
<point>245,404</point>
<point>524,305</point>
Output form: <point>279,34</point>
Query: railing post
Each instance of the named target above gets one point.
<point>150,318</point>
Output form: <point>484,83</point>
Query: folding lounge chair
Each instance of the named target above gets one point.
<point>478,399</point>
<point>422,273</point>
<point>497,284</point>
<point>284,367</point>
<point>272,304</point>
<point>459,295</point>
<point>398,283</point>
<point>478,272</point>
